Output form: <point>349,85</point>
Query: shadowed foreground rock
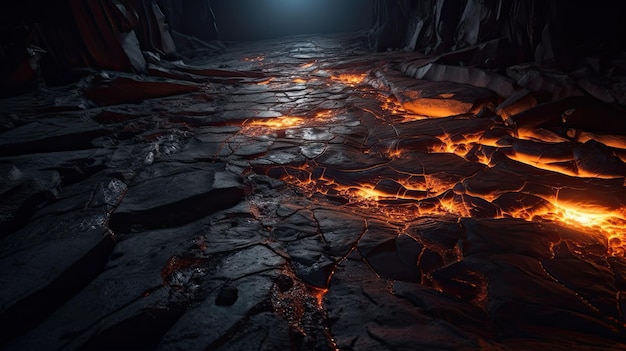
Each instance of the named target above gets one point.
<point>304,194</point>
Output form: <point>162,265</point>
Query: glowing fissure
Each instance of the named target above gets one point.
<point>277,123</point>
<point>401,200</point>
<point>438,199</point>
<point>350,79</point>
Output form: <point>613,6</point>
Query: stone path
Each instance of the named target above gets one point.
<point>305,194</point>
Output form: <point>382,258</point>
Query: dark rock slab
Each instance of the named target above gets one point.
<point>462,280</point>
<point>454,129</point>
<point>387,321</point>
<point>122,90</point>
<point>441,235</point>
<point>208,143</point>
<point>23,196</point>
<point>129,289</point>
<point>264,330</point>
<point>210,325</point>
<point>594,160</point>
<point>312,150</point>
<point>465,316</point>
<point>525,300</point>
<point>50,135</point>
<point>345,158</point>
<point>558,85</point>
<point>542,152</point>
<point>592,279</point>
<point>156,277</point>
<point>544,184</point>
<point>492,236</point>
<point>62,248</point>
<point>173,194</point>
<point>252,271</point>
<point>316,274</point>
<point>391,256</point>
<point>589,160</point>
<point>340,230</point>
<point>577,112</point>
<point>522,100</point>
<point>287,156</point>
<point>73,166</point>
<point>41,279</point>
<point>299,223</point>
<point>446,167</point>
<point>212,72</point>
<point>503,86</point>
<point>492,182</point>
<point>170,73</point>
<point>252,148</point>
<point>10,177</point>
<point>316,240</point>
<point>112,116</point>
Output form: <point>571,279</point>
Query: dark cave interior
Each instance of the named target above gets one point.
<point>313,175</point>
<point>551,34</point>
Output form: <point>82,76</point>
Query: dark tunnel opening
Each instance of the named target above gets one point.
<point>252,20</point>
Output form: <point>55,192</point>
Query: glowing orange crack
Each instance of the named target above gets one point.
<point>277,123</point>
<point>367,197</point>
<point>350,79</point>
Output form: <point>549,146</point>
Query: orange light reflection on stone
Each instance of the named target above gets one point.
<point>403,199</point>
<point>318,294</point>
<point>438,199</point>
<point>277,123</point>
<point>350,79</point>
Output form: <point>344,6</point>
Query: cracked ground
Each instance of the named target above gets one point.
<point>306,194</point>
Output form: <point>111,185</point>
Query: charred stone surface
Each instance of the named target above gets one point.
<point>306,194</point>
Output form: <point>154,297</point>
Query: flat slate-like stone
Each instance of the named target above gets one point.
<point>50,135</point>
<point>192,193</point>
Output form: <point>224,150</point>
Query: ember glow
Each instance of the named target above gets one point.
<point>277,123</point>
<point>401,197</point>
<point>265,81</point>
<point>318,293</point>
<point>266,126</point>
<point>611,224</point>
<point>307,65</point>
<point>590,219</point>
<point>350,79</point>
<point>406,200</point>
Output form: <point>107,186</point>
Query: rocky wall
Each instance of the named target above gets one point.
<point>551,33</point>
<point>56,43</point>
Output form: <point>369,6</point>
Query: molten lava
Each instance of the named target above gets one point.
<point>277,123</point>
<point>318,293</point>
<point>350,79</point>
<point>398,196</point>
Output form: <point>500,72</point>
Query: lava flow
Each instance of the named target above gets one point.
<point>454,166</point>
